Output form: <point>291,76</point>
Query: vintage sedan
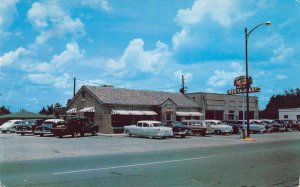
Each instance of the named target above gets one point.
<point>218,127</point>
<point>47,125</point>
<point>9,126</point>
<point>178,128</point>
<point>28,126</point>
<point>198,127</point>
<point>149,128</point>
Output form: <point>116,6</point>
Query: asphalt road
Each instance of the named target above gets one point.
<point>256,164</point>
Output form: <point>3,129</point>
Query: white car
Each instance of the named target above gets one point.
<point>253,126</point>
<point>10,126</point>
<point>218,127</point>
<point>149,128</point>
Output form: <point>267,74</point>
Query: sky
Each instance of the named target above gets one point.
<point>145,45</point>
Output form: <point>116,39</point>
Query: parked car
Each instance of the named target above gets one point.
<point>178,128</point>
<point>75,127</point>
<point>47,125</point>
<point>28,126</point>
<point>275,126</point>
<point>149,129</point>
<point>266,124</point>
<point>291,125</point>
<point>197,127</point>
<point>254,127</point>
<point>218,127</point>
<point>9,126</point>
<point>234,124</point>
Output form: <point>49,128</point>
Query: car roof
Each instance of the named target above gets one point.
<point>213,120</point>
<point>148,121</point>
<point>54,120</point>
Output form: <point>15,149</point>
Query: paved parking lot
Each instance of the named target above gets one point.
<point>15,147</point>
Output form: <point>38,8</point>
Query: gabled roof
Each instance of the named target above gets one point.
<point>122,96</point>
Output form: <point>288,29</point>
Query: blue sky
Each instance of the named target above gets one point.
<point>145,44</point>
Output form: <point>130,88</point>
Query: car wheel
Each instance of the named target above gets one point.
<point>41,134</point>
<point>74,135</point>
<point>22,134</point>
<point>151,137</point>
<point>203,134</point>
<point>128,133</point>
<point>60,135</point>
<point>94,133</point>
<point>182,136</point>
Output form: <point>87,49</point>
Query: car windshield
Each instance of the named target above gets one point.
<point>26,123</point>
<point>220,123</point>
<point>47,124</point>
<point>177,123</point>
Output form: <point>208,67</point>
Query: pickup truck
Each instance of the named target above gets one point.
<point>75,127</point>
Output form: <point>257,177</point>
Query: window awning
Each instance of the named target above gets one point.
<point>133,112</point>
<point>88,109</point>
<point>72,111</point>
<point>189,114</point>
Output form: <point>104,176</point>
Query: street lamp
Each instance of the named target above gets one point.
<point>247,34</point>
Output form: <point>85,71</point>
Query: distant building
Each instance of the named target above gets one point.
<point>112,108</point>
<point>289,113</point>
<point>225,107</point>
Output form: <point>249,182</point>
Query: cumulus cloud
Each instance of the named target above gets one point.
<point>281,77</point>
<point>223,12</point>
<point>71,53</point>
<point>222,78</point>
<point>12,56</point>
<point>52,22</point>
<point>179,38</point>
<point>136,59</point>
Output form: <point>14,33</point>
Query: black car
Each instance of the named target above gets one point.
<point>28,126</point>
<point>236,127</point>
<point>178,128</point>
<point>47,125</point>
<point>75,127</point>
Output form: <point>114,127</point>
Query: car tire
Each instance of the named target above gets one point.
<point>129,133</point>
<point>151,137</point>
<point>3,132</point>
<point>60,136</point>
<point>94,133</point>
<point>182,136</point>
<point>74,134</point>
<point>22,134</point>
<point>41,135</point>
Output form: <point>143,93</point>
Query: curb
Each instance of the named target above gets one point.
<point>112,135</point>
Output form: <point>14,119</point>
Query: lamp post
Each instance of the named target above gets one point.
<point>247,34</point>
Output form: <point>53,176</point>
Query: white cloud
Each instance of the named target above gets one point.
<point>62,81</point>
<point>282,54</point>
<point>97,4</point>
<point>12,56</point>
<point>179,38</point>
<point>187,76</point>
<point>52,22</point>
<point>223,12</point>
<point>136,60</point>
<point>222,78</point>
<point>7,11</point>
<point>71,53</point>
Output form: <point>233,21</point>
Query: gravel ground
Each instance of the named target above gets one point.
<point>17,148</point>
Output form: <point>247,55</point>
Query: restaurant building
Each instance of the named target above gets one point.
<point>112,108</point>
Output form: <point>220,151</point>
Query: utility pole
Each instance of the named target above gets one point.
<point>74,87</point>
<point>182,89</point>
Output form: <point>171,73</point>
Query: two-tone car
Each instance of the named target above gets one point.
<point>10,126</point>
<point>148,128</point>
<point>28,126</point>
<point>218,127</point>
<point>197,127</point>
<point>47,125</point>
<point>178,128</point>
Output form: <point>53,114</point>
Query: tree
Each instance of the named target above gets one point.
<point>4,110</point>
<point>290,99</point>
<point>49,110</point>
